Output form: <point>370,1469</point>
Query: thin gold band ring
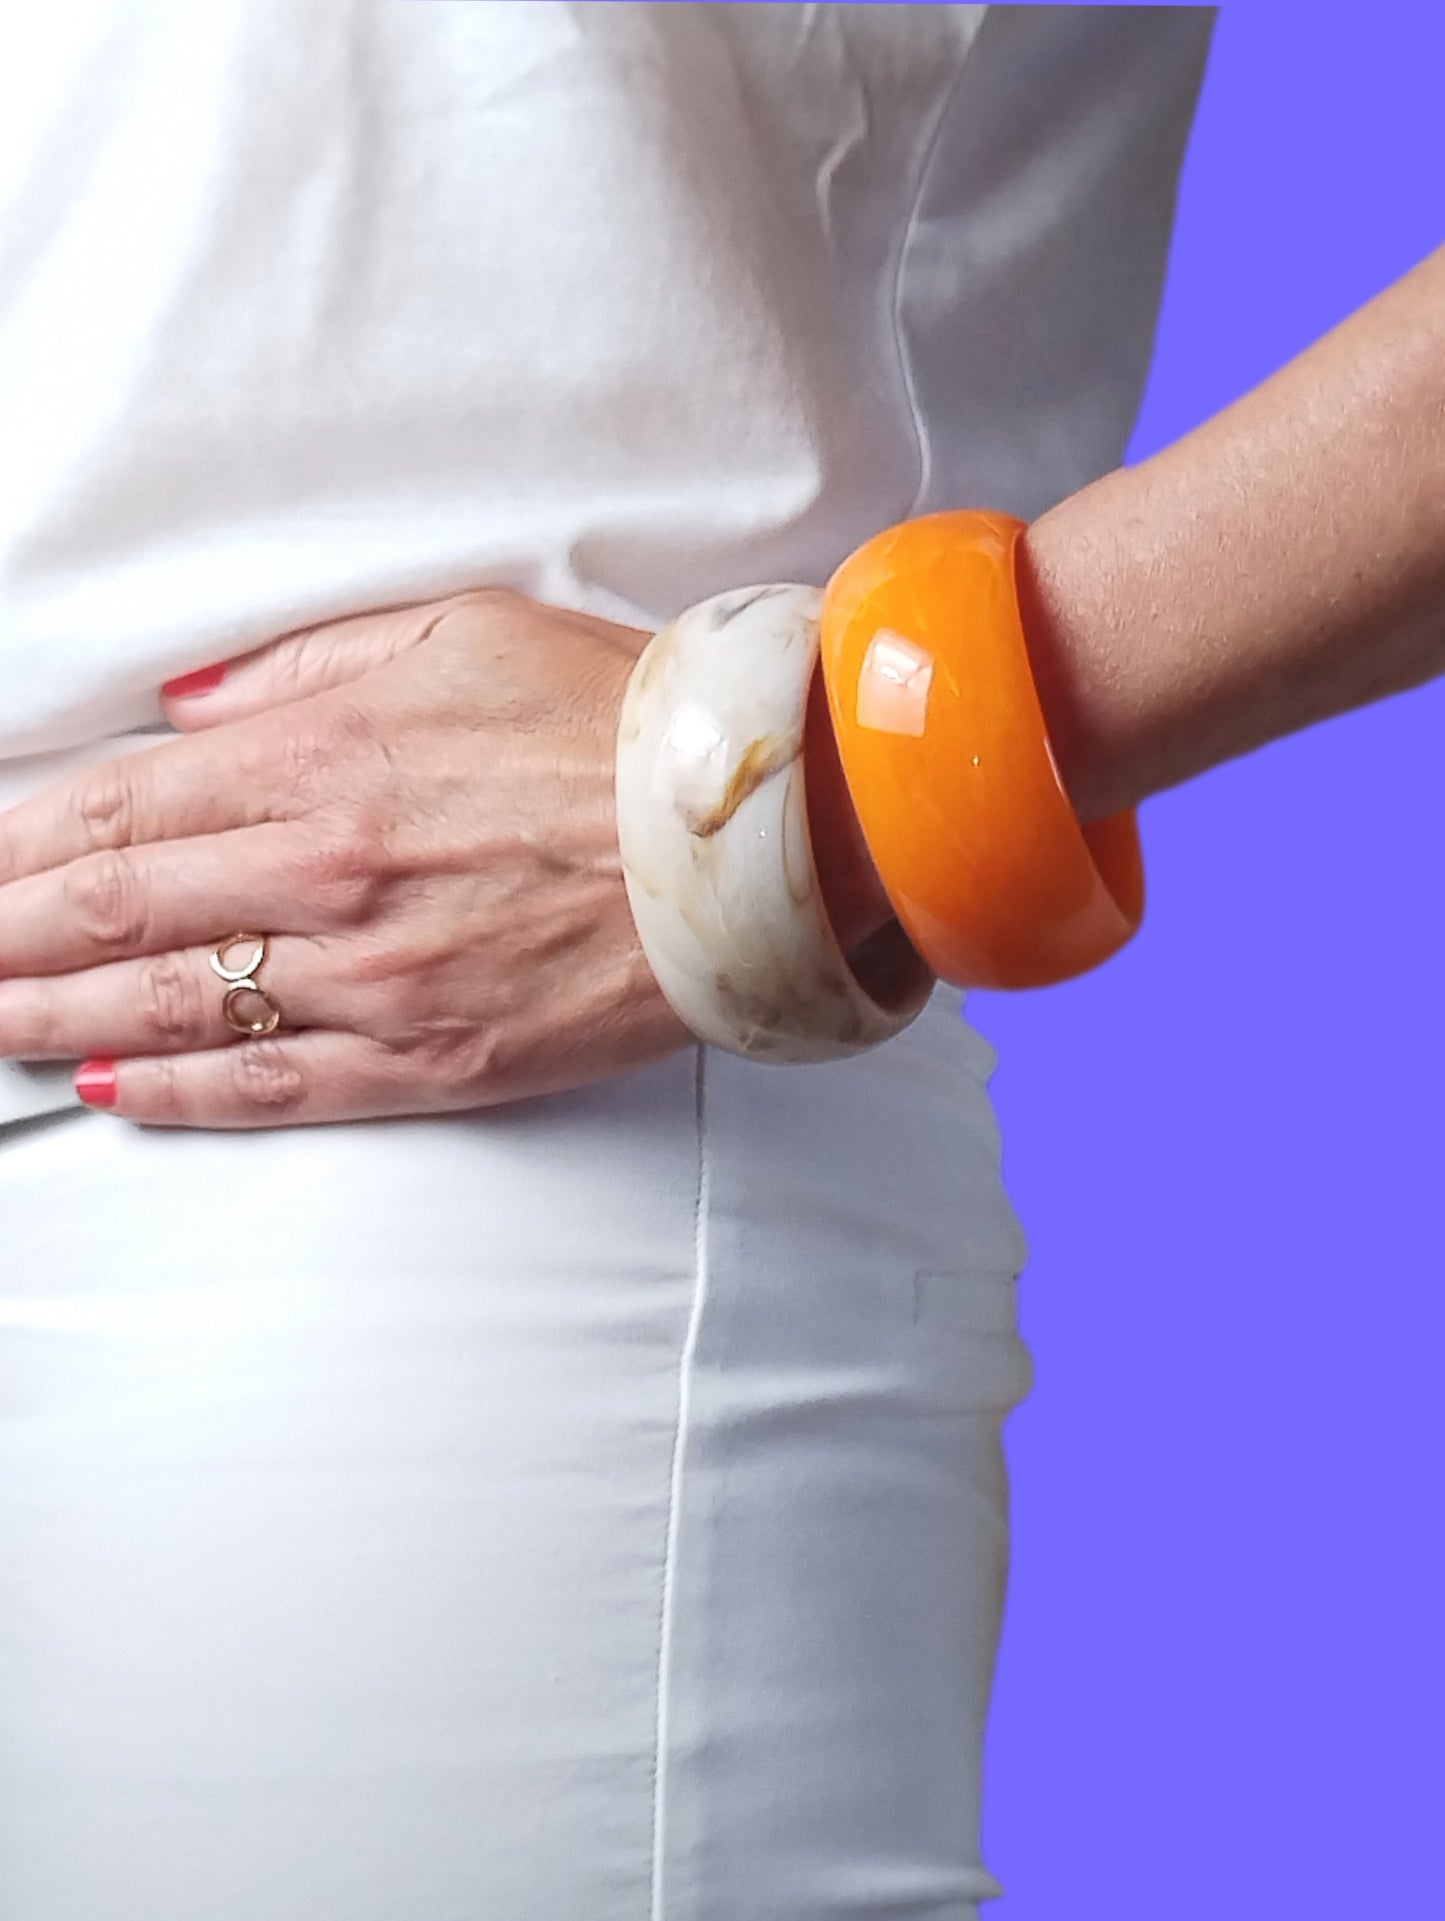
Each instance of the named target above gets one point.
<point>242,984</point>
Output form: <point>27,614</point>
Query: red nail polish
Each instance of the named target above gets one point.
<point>95,1083</point>
<point>200,682</point>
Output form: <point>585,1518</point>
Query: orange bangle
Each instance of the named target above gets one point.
<point>947,758</point>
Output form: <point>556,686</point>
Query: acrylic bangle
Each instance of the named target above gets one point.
<point>713,828</point>
<point>947,758</point>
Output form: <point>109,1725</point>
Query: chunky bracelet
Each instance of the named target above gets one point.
<point>947,758</point>
<point>713,828</point>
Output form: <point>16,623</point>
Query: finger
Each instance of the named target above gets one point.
<point>169,1003</point>
<point>285,1081</point>
<point>239,777</point>
<point>297,665</point>
<point>276,879</point>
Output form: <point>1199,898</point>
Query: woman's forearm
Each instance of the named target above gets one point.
<point>1282,563</point>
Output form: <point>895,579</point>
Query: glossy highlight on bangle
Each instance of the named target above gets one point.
<point>947,758</point>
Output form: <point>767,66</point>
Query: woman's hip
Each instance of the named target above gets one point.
<point>593,1507</point>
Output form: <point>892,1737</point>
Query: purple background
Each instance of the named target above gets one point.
<point>1221,1690</point>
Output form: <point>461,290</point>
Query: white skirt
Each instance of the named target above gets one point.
<point>593,1508</point>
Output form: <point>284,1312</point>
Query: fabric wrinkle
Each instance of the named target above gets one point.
<point>909,228</point>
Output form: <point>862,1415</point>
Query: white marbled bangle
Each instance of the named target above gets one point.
<point>713,827</point>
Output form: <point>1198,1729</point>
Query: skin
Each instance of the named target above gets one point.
<point>417,803</point>
<point>417,806</point>
<point>1281,564</point>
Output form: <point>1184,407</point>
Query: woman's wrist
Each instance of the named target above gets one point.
<point>1062,587</point>
<point>1074,610</point>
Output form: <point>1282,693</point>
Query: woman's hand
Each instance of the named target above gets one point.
<point>416,807</point>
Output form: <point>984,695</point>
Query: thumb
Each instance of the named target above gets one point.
<point>297,665</point>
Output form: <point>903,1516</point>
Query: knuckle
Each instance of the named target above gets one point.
<point>344,869</point>
<point>449,1053</point>
<point>308,753</point>
<point>104,805</point>
<point>497,1056</point>
<point>443,1046</point>
<point>104,898</point>
<point>268,1079</point>
<point>342,897</point>
<point>170,1001</point>
<point>350,719</point>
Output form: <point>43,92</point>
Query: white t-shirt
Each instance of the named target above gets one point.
<point>314,306</point>
<point>309,306</point>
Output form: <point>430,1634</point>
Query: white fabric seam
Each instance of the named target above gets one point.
<point>658,1903</point>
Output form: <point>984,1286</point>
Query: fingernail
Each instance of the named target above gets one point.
<point>95,1083</point>
<point>200,682</point>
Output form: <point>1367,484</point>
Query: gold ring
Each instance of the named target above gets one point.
<point>218,958</point>
<point>266,1023</point>
<point>242,982</point>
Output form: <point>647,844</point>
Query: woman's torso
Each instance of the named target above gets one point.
<point>308,306</point>
<point>594,1507</point>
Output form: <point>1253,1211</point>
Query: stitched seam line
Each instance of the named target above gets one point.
<point>900,275</point>
<point>663,1733</point>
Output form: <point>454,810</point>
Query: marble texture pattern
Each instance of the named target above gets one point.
<point>712,822</point>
